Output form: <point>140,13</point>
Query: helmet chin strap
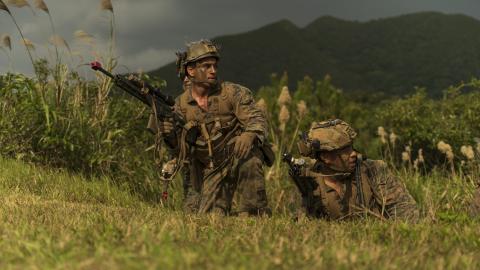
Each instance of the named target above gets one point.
<point>337,173</point>
<point>193,80</point>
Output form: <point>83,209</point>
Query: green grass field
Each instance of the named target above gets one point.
<point>54,220</point>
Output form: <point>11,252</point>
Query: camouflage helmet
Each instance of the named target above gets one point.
<point>196,51</point>
<point>326,136</point>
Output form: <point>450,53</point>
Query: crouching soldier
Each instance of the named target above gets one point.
<point>223,140</point>
<point>337,183</point>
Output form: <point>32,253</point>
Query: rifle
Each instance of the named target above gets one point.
<point>358,180</point>
<point>305,185</point>
<point>146,93</point>
<point>152,97</point>
<point>294,171</point>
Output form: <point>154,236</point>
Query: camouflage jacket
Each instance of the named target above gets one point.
<point>231,111</point>
<point>385,196</point>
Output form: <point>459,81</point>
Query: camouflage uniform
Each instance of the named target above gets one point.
<point>215,175</point>
<point>231,111</point>
<point>383,194</point>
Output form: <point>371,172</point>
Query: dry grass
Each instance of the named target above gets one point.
<point>106,5</point>
<point>84,37</point>
<point>4,7</point>
<point>6,41</point>
<point>40,4</point>
<point>18,3</point>
<point>29,44</point>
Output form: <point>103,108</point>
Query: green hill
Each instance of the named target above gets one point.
<point>392,55</point>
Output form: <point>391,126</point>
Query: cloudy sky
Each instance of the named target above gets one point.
<point>150,31</point>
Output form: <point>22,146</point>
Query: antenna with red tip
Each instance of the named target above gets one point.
<point>95,65</point>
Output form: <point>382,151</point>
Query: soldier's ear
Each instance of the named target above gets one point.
<point>191,70</point>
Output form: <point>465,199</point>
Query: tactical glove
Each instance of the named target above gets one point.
<point>244,144</point>
<point>165,127</point>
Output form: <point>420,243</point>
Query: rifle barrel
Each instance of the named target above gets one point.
<point>144,92</point>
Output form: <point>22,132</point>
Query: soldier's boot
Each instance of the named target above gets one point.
<point>191,201</point>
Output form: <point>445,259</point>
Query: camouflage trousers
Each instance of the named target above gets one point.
<point>235,187</point>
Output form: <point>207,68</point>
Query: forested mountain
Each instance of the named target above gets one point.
<point>391,55</point>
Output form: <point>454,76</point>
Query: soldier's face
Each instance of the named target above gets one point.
<point>342,160</point>
<point>205,71</point>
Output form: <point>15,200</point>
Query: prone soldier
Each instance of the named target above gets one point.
<point>337,183</point>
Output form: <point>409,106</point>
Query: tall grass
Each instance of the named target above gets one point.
<point>4,7</point>
<point>59,119</point>
<point>55,219</point>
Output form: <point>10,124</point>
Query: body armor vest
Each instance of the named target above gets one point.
<point>218,126</point>
<point>327,202</point>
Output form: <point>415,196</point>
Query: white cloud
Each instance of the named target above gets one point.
<point>147,59</point>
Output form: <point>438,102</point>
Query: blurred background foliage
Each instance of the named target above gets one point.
<point>89,129</point>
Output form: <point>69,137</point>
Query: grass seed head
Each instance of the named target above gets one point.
<point>467,151</point>
<point>6,42</point>
<point>382,134</point>
<point>4,7</point>
<point>106,5</point>
<point>420,157</point>
<point>284,98</point>
<point>450,156</point>
<point>283,117</point>
<point>84,37</point>
<point>40,4</point>
<point>444,147</point>
<point>262,105</point>
<point>302,108</point>
<point>408,149</point>
<point>29,44</point>
<point>18,3</point>
<point>393,138</point>
<point>59,41</point>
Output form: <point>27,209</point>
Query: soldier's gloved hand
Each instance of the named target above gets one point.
<point>135,80</point>
<point>165,127</point>
<point>244,144</point>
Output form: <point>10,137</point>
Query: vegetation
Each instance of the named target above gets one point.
<point>56,220</point>
<point>391,55</point>
<point>60,119</point>
<point>79,184</point>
